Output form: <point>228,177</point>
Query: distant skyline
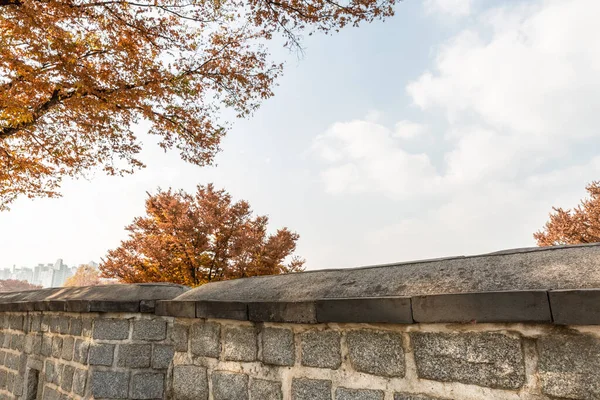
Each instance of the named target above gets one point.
<point>450,129</point>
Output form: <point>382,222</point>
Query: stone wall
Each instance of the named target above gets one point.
<point>59,355</point>
<point>418,333</point>
<point>226,360</point>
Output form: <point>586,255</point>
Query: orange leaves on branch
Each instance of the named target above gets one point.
<point>76,75</point>
<point>193,239</point>
<point>580,225</point>
<point>85,275</point>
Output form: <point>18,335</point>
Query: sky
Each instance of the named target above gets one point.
<point>449,129</point>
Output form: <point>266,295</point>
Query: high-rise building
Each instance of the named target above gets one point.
<point>48,275</point>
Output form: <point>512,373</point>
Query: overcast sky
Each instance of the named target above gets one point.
<point>450,129</point>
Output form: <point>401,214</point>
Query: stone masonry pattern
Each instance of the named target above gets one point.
<point>233,360</point>
<point>57,355</point>
<point>60,355</point>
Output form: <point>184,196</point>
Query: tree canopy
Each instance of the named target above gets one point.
<point>15,285</point>
<point>193,239</point>
<point>579,225</point>
<point>85,275</point>
<point>76,75</point>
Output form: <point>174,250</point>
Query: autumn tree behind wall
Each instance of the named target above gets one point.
<point>579,225</point>
<point>193,239</point>
<point>77,75</point>
<point>15,285</point>
<point>85,275</point>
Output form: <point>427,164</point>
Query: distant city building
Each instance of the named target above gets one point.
<point>46,275</point>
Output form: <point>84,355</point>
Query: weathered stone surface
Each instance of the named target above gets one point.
<point>76,327</point>
<point>149,329</point>
<point>569,366</point>
<point>67,378</point>
<point>485,359</point>
<point>321,349</point>
<point>239,343</point>
<point>358,394</point>
<point>222,309</point>
<point>521,269</point>
<point>79,381</point>
<point>278,346</point>
<point>179,336</point>
<point>261,389</point>
<point>57,346</point>
<point>110,384</point>
<point>575,307</point>
<point>101,354</point>
<point>147,385</point>
<point>184,309</point>
<point>162,357</point>
<point>292,311</point>
<point>134,355</point>
<point>411,396</point>
<point>228,386</point>
<point>111,329</point>
<point>392,310</point>
<point>190,383</point>
<point>374,352</point>
<point>80,351</point>
<point>515,306</point>
<point>311,389</point>
<point>124,293</point>
<point>67,348</point>
<point>205,339</point>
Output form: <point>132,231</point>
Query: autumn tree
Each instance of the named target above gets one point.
<point>197,238</point>
<point>579,225</point>
<point>85,275</point>
<point>76,75</point>
<point>15,285</point>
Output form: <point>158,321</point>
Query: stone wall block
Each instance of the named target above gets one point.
<point>358,394</point>
<point>321,349</point>
<point>239,343</point>
<point>101,354</point>
<point>486,359</point>
<point>110,384</point>
<point>67,378</point>
<point>79,381</point>
<point>190,383</point>
<point>149,329</point>
<point>111,329</point>
<point>205,339</point>
<point>262,389</point>
<point>67,348</point>
<point>375,352</point>
<point>179,336</point>
<point>278,346</point>
<point>228,385</point>
<point>134,355</point>
<point>311,389</point>
<point>57,346</point>
<point>569,366</point>
<point>162,356</point>
<point>147,385</point>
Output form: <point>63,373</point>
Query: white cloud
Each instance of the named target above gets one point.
<point>365,157</point>
<point>450,7</point>
<point>519,92</point>
<point>409,130</point>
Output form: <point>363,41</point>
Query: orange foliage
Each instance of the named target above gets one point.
<point>193,239</point>
<point>580,225</point>
<point>75,75</point>
<point>14,285</point>
<point>85,275</point>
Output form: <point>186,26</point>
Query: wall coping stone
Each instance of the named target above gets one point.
<point>559,285</point>
<point>104,298</point>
